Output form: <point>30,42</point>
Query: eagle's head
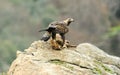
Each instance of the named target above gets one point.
<point>68,21</point>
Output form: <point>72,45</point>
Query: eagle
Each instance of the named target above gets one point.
<point>57,30</point>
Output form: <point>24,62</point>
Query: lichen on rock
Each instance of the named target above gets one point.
<point>85,59</point>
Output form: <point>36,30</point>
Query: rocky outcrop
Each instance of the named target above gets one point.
<point>85,59</point>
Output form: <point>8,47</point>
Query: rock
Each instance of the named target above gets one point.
<point>85,59</point>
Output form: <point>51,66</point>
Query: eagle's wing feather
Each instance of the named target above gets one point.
<point>46,36</point>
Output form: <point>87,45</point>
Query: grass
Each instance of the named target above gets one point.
<point>58,62</point>
<point>100,66</point>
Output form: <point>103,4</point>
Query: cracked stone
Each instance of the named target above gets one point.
<point>85,59</point>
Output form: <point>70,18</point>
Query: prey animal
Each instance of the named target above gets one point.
<point>56,32</point>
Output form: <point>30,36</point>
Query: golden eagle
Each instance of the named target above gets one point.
<point>57,29</point>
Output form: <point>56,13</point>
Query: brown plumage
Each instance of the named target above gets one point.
<point>55,29</point>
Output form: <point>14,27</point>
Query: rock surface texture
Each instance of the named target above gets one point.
<point>85,59</point>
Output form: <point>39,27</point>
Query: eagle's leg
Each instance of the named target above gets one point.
<point>59,40</point>
<point>54,43</point>
<point>63,38</point>
<point>66,43</point>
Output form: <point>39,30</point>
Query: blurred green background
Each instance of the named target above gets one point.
<point>96,22</point>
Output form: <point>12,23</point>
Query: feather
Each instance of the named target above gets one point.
<point>46,36</point>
